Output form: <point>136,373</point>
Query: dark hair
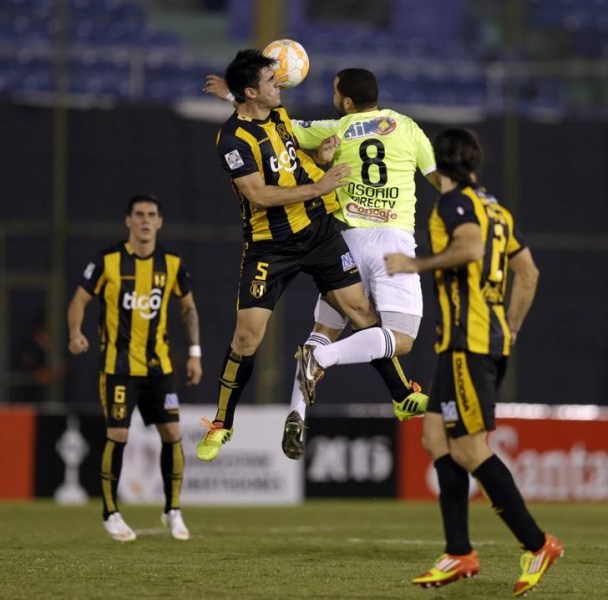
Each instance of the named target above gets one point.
<point>360,85</point>
<point>458,154</point>
<point>143,198</point>
<point>244,71</point>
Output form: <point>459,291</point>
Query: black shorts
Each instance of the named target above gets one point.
<point>155,397</point>
<point>268,267</point>
<point>465,391</point>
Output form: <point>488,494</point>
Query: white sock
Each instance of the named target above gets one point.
<point>297,399</point>
<point>360,347</point>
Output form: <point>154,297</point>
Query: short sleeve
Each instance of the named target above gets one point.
<point>425,157</point>
<point>93,275</point>
<point>456,209</point>
<point>516,243</point>
<point>183,283</point>
<point>236,156</point>
<point>310,134</point>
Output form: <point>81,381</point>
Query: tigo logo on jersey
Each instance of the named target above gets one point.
<point>286,160</point>
<point>171,402</point>
<point>234,160</point>
<point>347,262</point>
<point>147,306</point>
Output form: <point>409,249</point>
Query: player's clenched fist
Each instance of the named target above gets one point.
<point>78,344</point>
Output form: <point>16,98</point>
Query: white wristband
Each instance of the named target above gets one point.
<point>194,352</point>
<point>229,96</point>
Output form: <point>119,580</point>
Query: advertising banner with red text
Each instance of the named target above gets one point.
<point>552,459</point>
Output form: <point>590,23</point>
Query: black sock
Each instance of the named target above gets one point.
<point>172,469</point>
<point>236,372</point>
<point>393,376</point>
<point>499,486</point>
<point>454,502</point>
<point>111,466</point>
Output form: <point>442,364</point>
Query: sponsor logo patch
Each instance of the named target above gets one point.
<point>88,272</point>
<point>449,411</point>
<point>171,402</point>
<point>377,126</point>
<point>234,160</point>
<point>347,262</point>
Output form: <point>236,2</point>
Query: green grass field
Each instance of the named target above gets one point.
<point>321,550</point>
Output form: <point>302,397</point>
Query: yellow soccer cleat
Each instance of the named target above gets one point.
<point>209,447</point>
<point>449,568</point>
<point>535,564</point>
<point>413,405</point>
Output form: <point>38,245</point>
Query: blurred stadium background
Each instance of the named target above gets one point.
<point>101,99</point>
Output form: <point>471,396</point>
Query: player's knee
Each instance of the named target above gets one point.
<point>246,341</point>
<point>465,457</point>
<point>403,343</point>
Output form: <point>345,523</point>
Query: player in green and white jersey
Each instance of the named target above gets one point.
<point>384,150</point>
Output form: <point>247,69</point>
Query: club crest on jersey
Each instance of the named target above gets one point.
<point>234,160</point>
<point>347,262</point>
<point>159,279</point>
<point>119,412</point>
<point>449,411</point>
<point>377,126</point>
<point>257,288</point>
<point>282,131</point>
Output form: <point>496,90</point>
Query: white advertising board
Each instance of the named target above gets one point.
<point>250,469</point>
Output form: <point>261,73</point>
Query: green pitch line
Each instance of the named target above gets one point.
<point>319,550</point>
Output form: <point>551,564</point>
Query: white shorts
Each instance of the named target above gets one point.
<point>399,293</point>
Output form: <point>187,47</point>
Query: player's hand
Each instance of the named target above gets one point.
<point>334,178</point>
<point>215,85</point>
<point>327,149</point>
<point>194,371</point>
<point>78,344</point>
<point>400,263</point>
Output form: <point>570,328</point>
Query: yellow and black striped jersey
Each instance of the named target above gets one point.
<point>134,294</point>
<point>269,147</point>
<point>471,298</point>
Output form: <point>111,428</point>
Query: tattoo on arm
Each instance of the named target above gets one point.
<point>190,321</point>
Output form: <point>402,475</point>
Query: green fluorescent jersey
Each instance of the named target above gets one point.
<point>383,149</point>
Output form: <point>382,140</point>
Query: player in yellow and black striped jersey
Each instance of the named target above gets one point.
<point>475,247</point>
<point>286,205</point>
<point>269,147</point>
<point>472,297</point>
<point>134,281</point>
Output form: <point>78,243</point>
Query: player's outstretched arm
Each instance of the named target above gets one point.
<point>261,195</point>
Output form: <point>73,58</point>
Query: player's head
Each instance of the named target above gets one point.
<point>143,198</point>
<point>458,154</point>
<point>355,90</point>
<point>246,72</point>
<point>143,219</point>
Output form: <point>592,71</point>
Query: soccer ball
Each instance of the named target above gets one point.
<point>292,62</point>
